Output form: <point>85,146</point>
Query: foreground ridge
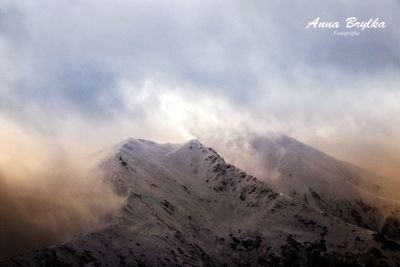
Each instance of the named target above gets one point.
<point>185,206</point>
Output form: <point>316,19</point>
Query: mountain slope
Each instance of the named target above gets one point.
<point>186,206</point>
<point>327,184</point>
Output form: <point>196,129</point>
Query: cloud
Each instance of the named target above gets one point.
<point>66,61</point>
<point>47,194</point>
<point>81,76</point>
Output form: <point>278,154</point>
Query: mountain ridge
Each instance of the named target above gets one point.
<point>186,206</point>
<point>331,185</point>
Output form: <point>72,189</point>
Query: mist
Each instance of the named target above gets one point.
<point>48,194</point>
<point>77,78</point>
<point>147,67</point>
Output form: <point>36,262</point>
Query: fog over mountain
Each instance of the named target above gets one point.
<point>185,69</point>
<point>306,112</point>
<point>184,205</point>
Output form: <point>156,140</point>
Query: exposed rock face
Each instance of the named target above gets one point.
<point>185,206</point>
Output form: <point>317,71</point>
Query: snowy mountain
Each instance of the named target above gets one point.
<point>327,184</point>
<point>185,206</point>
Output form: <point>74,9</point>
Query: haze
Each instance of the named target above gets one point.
<point>78,77</point>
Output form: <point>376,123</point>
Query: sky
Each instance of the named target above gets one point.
<point>80,76</point>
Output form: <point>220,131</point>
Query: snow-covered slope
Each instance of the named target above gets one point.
<point>327,184</point>
<point>185,206</point>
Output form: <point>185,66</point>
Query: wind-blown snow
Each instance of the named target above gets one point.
<point>186,206</point>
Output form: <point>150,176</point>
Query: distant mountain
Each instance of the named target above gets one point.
<point>185,206</point>
<point>327,184</point>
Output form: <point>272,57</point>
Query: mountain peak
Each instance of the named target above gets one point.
<point>193,144</point>
<point>186,206</point>
<point>325,183</point>
<point>138,141</point>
